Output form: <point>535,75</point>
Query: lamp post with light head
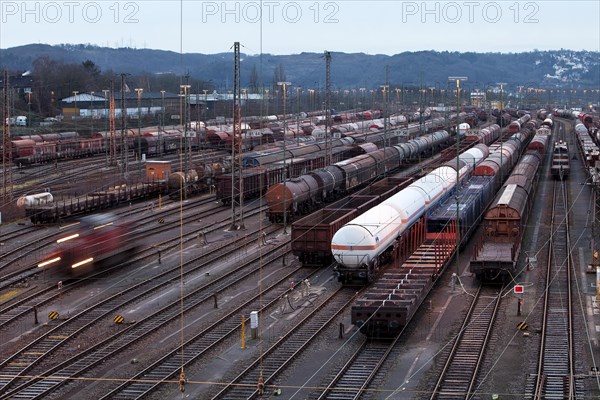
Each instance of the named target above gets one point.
<point>184,90</point>
<point>284,86</point>
<point>457,79</point>
<point>139,104</point>
<point>106,110</point>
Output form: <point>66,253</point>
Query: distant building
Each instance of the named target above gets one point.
<point>478,99</point>
<point>21,83</point>
<point>207,101</point>
<point>95,105</point>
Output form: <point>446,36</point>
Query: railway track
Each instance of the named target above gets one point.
<point>71,179</point>
<point>555,374</point>
<point>170,365</point>
<point>459,373</point>
<point>281,354</point>
<point>17,252</point>
<point>358,372</point>
<point>25,361</point>
<point>60,176</point>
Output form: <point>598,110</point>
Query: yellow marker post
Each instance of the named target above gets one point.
<point>182,381</point>
<point>243,332</point>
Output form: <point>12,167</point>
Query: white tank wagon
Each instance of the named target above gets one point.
<point>463,128</point>
<point>33,200</point>
<point>38,207</point>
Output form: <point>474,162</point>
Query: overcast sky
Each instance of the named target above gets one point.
<point>288,27</point>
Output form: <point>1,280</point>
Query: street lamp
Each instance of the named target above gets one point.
<point>197,111</point>
<point>457,79</point>
<point>501,122</point>
<point>91,113</point>
<point>105,112</point>
<point>267,101</point>
<point>346,104</point>
<point>29,109</point>
<point>106,136</point>
<point>185,88</point>
<point>139,104</point>
<point>284,86</point>
<point>384,90</point>
<point>362,95</point>
<point>298,91</point>
<point>162,109</point>
<point>229,96</point>
<point>205,103</point>
<point>75,92</point>
<point>124,145</point>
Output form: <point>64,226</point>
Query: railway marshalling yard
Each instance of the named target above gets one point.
<point>184,293</point>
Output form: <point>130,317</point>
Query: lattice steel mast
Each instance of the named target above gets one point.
<point>327,106</point>
<point>237,187</point>
<point>112,139</point>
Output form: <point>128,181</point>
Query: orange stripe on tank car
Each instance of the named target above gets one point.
<point>340,247</point>
<point>427,202</point>
<point>372,247</point>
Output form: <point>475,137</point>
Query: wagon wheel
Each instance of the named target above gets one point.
<point>370,274</point>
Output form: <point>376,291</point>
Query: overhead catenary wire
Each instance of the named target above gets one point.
<point>181,380</point>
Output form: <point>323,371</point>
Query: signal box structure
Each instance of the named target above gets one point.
<point>158,170</point>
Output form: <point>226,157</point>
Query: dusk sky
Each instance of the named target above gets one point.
<point>289,27</point>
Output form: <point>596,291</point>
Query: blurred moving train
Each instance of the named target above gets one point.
<point>97,241</point>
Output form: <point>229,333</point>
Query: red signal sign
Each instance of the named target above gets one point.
<point>519,289</point>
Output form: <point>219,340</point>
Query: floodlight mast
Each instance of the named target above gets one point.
<point>501,120</point>
<point>457,79</point>
<point>237,184</point>
<point>284,86</point>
